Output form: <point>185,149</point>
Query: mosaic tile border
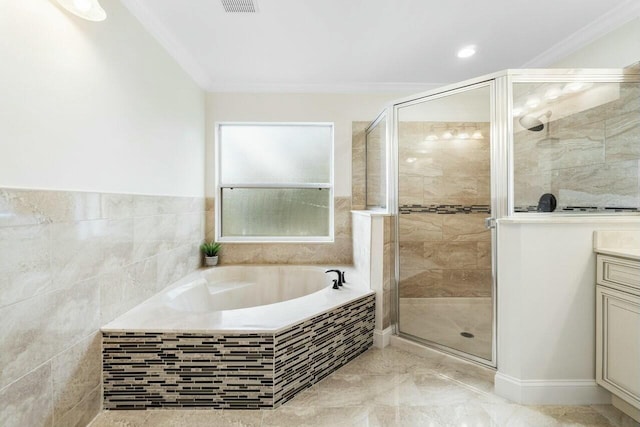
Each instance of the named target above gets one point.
<point>598,209</point>
<point>445,209</point>
<point>151,370</point>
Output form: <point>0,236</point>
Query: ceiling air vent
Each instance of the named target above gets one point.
<point>239,6</point>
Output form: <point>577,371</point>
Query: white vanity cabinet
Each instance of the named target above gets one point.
<point>618,330</point>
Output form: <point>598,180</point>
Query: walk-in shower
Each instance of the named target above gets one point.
<point>519,145</point>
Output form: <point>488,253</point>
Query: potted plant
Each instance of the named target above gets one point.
<point>210,251</point>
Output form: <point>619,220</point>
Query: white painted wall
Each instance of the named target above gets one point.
<point>617,49</point>
<point>546,309</point>
<point>94,106</point>
<point>341,109</point>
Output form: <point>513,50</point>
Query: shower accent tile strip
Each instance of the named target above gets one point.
<point>606,209</point>
<point>445,209</point>
<point>147,370</point>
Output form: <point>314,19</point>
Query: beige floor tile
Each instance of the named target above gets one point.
<point>121,419</point>
<point>389,388</point>
<point>317,417</point>
<point>203,418</point>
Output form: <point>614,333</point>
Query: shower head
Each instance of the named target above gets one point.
<point>534,124</point>
<point>548,140</point>
<point>531,123</point>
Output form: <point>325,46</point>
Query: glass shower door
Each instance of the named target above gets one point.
<point>446,281</point>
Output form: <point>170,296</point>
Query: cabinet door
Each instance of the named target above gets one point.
<point>618,349</point>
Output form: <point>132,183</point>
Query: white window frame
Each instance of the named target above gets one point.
<point>219,185</point>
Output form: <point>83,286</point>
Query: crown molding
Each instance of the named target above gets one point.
<point>322,87</point>
<point>184,59</point>
<point>606,23</point>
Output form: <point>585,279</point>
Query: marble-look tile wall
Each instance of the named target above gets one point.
<point>70,262</point>
<point>589,158</point>
<point>443,254</point>
<point>358,165</point>
<point>388,268</point>
<point>376,167</point>
<point>338,252</point>
<point>444,171</point>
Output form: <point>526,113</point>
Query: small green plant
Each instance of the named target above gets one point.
<point>210,249</point>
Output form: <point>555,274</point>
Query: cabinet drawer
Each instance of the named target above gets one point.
<point>619,273</point>
<point>618,344</point>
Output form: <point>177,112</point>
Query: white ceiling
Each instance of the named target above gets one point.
<point>370,45</point>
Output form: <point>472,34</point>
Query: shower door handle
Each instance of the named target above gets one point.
<point>490,223</point>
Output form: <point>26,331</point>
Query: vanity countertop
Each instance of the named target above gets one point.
<point>624,253</point>
<point>621,243</point>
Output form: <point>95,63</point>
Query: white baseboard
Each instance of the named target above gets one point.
<point>381,337</point>
<point>550,392</point>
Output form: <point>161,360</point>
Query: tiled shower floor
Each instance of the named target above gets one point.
<point>441,320</point>
<point>388,387</point>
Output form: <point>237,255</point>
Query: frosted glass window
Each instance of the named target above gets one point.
<point>275,153</point>
<point>275,182</point>
<point>301,212</point>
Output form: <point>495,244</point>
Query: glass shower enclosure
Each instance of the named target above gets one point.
<point>515,145</point>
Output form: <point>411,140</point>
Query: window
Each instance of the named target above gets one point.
<point>274,182</point>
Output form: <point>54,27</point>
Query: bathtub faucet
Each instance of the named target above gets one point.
<point>341,280</point>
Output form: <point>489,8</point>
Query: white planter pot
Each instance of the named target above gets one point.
<point>210,261</point>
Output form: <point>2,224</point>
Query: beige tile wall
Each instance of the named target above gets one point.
<point>338,252</point>
<point>388,269</point>
<point>69,263</point>
<point>375,144</point>
<point>358,165</point>
<point>444,171</point>
<point>443,255</point>
<point>594,161</point>
<point>358,188</point>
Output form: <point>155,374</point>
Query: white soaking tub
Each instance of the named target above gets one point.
<point>236,337</point>
<point>242,298</point>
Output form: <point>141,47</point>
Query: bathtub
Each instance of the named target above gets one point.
<point>235,337</point>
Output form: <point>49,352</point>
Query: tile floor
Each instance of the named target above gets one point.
<point>388,387</point>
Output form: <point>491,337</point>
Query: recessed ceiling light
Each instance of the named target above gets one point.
<point>467,51</point>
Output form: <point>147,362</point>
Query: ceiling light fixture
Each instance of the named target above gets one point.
<point>86,9</point>
<point>533,102</point>
<point>553,93</point>
<point>573,87</point>
<point>432,136</point>
<point>477,135</point>
<point>467,51</point>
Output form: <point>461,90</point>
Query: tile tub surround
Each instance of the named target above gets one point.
<point>338,252</point>
<point>388,387</point>
<point>69,262</point>
<point>144,370</point>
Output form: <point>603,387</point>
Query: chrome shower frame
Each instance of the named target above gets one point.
<point>501,158</point>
